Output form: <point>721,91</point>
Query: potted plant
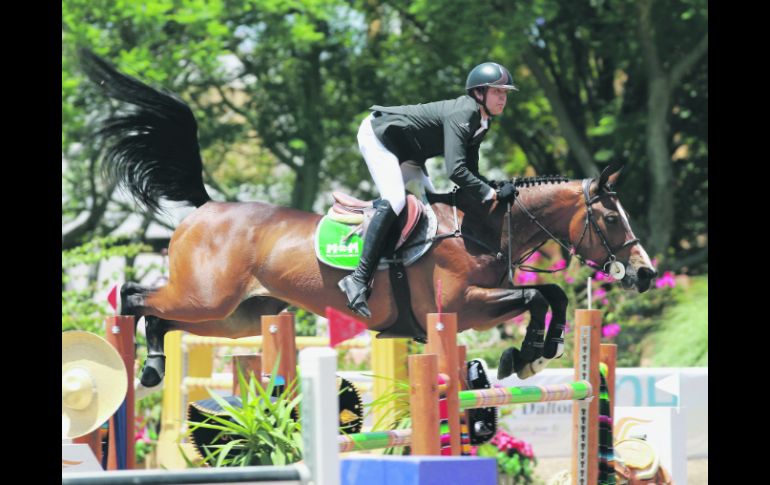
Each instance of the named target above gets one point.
<point>253,428</point>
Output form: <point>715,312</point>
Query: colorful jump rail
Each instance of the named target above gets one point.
<point>484,398</point>
<point>470,400</point>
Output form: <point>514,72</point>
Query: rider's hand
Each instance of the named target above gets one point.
<point>506,193</point>
<point>494,202</point>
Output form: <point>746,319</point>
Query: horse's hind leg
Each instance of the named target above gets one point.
<point>155,365</point>
<point>132,297</point>
<point>243,322</point>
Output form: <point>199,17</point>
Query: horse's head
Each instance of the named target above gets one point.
<point>601,232</point>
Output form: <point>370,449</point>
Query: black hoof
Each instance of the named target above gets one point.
<point>507,360</point>
<point>153,372</point>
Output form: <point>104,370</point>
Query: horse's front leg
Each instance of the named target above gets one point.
<point>554,340</point>
<point>500,304</point>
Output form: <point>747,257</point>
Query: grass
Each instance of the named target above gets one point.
<point>682,340</point>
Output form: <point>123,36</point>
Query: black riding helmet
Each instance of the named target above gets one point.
<point>488,74</point>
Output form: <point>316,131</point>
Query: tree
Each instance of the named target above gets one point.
<point>279,87</point>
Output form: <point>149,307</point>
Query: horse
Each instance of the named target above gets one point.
<point>230,263</point>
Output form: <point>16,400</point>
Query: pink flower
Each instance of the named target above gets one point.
<point>518,320</point>
<point>666,280</point>
<point>548,317</point>
<point>474,450</point>
<point>524,277</point>
<point>569,279</point>
<point>560,264</point>
<point>536,256</point>
<point>527,452</point>
<point>599,276</point>
<point>143,435</point>
<point>567,327</point>
<point>605,301</point>
<point>600,293</point>
<point>654,261</point>
<point>611,330</point>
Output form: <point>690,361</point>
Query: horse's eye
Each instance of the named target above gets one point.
<point>611,219</point>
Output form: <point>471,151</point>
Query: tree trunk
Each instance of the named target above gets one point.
<point>575,139</point>
<point>660,85</point>
<point>308,176</point>
<point>661,196</point>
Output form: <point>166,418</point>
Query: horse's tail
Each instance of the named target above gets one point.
<point>155,151</point>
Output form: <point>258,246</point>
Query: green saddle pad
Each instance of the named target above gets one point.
<point>335,246</point>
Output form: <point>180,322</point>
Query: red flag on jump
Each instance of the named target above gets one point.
<point>341,326</point>
<point>112,298</point>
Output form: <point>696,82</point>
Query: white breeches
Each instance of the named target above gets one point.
<point>388,176</point>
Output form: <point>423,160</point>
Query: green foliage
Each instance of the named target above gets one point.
<point>683,337</point>
<point>392,408</point>
<point>79,310</point>
<point>304,322</point>
<point>148,414</point>
<point>260,432</point>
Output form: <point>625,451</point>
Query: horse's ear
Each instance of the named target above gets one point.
<point>609,176</point>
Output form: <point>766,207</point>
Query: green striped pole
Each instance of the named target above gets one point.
<point>469,400</point>
<point>375,440</point>
<point>482,398</point>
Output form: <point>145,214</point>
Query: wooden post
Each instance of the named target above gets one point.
<point>465,433</point>
<point>247,363</point>
<point>462,352</point>
<point>278,337</point>
<point>120,333</point>
<point>585,414</point>
<point>423,401</point>
<point>442,341</point>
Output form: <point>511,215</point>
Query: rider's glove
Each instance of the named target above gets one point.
<point>507,192</point>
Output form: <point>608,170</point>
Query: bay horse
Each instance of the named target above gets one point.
<point>232,262</point>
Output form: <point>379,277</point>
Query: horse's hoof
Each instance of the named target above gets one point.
<point>526,372</point>
<point>507,360</point>
<point>153,372</point>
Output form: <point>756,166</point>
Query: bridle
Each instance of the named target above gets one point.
<point>610,266</point>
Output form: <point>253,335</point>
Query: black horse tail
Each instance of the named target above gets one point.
<point>155,152</point>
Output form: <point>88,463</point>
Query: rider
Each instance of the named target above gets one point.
<point>454,128</point>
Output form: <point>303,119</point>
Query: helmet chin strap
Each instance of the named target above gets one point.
<point>484,103</point>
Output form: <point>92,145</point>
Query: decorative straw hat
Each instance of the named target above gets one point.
<point>94,382</point>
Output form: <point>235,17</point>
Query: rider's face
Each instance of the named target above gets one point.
<point>496,98</point>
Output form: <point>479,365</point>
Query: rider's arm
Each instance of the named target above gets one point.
<point>456,157</point>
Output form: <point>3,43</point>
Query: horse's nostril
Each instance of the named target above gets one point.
<point>647,273</point>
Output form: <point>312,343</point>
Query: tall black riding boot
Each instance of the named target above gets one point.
<point>356,284</point>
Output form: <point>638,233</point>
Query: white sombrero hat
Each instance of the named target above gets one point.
<point>94,382</point>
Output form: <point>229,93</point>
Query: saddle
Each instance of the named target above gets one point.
<point>339,242</point>
<point>350,210</point>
